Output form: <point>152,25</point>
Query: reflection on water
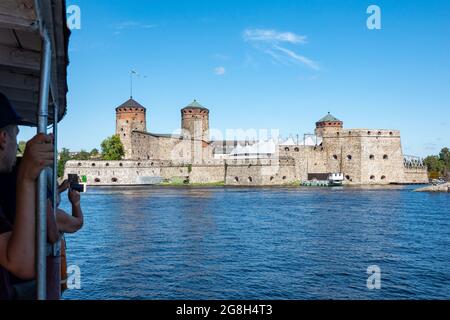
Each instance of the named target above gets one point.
<point>266,243</point>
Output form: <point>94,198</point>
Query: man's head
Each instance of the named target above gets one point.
<point>9,120</point>
<point>8,148</point>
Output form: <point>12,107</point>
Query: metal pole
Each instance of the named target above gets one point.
<point>41,219</point>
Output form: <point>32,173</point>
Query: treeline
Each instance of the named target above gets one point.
<point>439,165</point>
<point>112,149</point>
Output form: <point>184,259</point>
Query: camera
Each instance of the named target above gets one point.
<point>74,183</point>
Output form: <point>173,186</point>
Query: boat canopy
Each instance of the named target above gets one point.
<point>21,44</point>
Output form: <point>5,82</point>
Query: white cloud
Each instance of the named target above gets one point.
<point>272,36</point>
<point>220,71</point>
<point>132,25</point>
<point>296,57</point>
<point>269,41</point>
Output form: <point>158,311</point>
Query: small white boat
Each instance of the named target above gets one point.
<point>336,179</point>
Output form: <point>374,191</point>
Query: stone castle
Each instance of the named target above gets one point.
<point>364,156</point>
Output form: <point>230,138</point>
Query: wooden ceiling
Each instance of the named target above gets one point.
<point>20,54</point>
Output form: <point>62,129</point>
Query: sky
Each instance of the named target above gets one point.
<point>278,65</point>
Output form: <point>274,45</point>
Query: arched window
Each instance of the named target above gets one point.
<point>121,164</point>
<point>347,177</point>
<point>284,177</point>
<point>385,157</point>
<point>114,180</point>
<point>93,164</point>
<point>371,157</point>
<point>271,178</point>
<point>296,149</point>
<point>236,179</point>
<point>250,179</point>
<point>97,180</point>
<point>286,149</point>
<point>372,177</point>
<point>349,157</point>
<point>335,157</point>
<point>383,177</point>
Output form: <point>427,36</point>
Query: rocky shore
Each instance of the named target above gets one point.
<point>437,188</point>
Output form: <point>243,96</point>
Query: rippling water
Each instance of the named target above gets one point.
<point>271,243</point>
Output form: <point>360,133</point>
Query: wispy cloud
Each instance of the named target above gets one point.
<point>220,71</point>
<point>274,43</point>
<point>128,25</point>
<point>272,36</point>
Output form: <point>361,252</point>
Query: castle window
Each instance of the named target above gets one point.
<point>349,132</point>
<point>107,164</point>
<point>121,164</point>
<point>383,177</point>
<point>271,178</point>
<point>379,133</point>
<point>349,157</point>
<point>337,133</point>
<point>93,164</point>
<point>236,179</point>
<point>114,180</point>
<point>385,157</point>
<point>286,149</point>
<point>347,177</point>
<point>97,180</point>
<point>391,133</point>
<point>250,179</point>
<point>372,177</point>
<point>372,157</point>
<point>128,121</point>
<point>284,177</point>
<point>124,135</point>
<point>335,157</point>
<point>121,129</point>
<point>79,164</point>
<point>296,149</point>
<point>139,164</point>
<point>369,133</point>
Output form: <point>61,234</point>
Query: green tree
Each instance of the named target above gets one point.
<point>112,148</point>
<point>82,155</point>
<point>94,153</point>
<point>444,156</point>
<point>64,156</point>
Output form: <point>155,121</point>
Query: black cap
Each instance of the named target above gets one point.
<point>8,115</point>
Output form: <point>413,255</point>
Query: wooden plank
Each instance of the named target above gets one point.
<point>17,23</point>
<point>21,9</point>
<point>10,79</point>
<point>21,95</point>
<point>21,59</point>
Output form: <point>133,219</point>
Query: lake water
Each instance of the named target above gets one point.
<point>264,243</point>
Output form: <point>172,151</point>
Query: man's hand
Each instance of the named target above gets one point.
<point>37,156</point>
<point>74,197</point>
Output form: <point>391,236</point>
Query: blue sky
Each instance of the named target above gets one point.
<point>264,65</point>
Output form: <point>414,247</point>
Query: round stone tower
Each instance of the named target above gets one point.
<point>328,124</point>
<point>195,122</point>
<point>130,116</point>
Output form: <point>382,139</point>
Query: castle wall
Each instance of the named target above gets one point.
<point>108,173</point>
<point>416,175</point>
<point>263,172</point>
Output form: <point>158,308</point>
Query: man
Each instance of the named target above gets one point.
<point>17,243</point>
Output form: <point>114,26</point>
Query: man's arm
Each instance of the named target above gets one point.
<point>71,223</point>
<point>17,249</point>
